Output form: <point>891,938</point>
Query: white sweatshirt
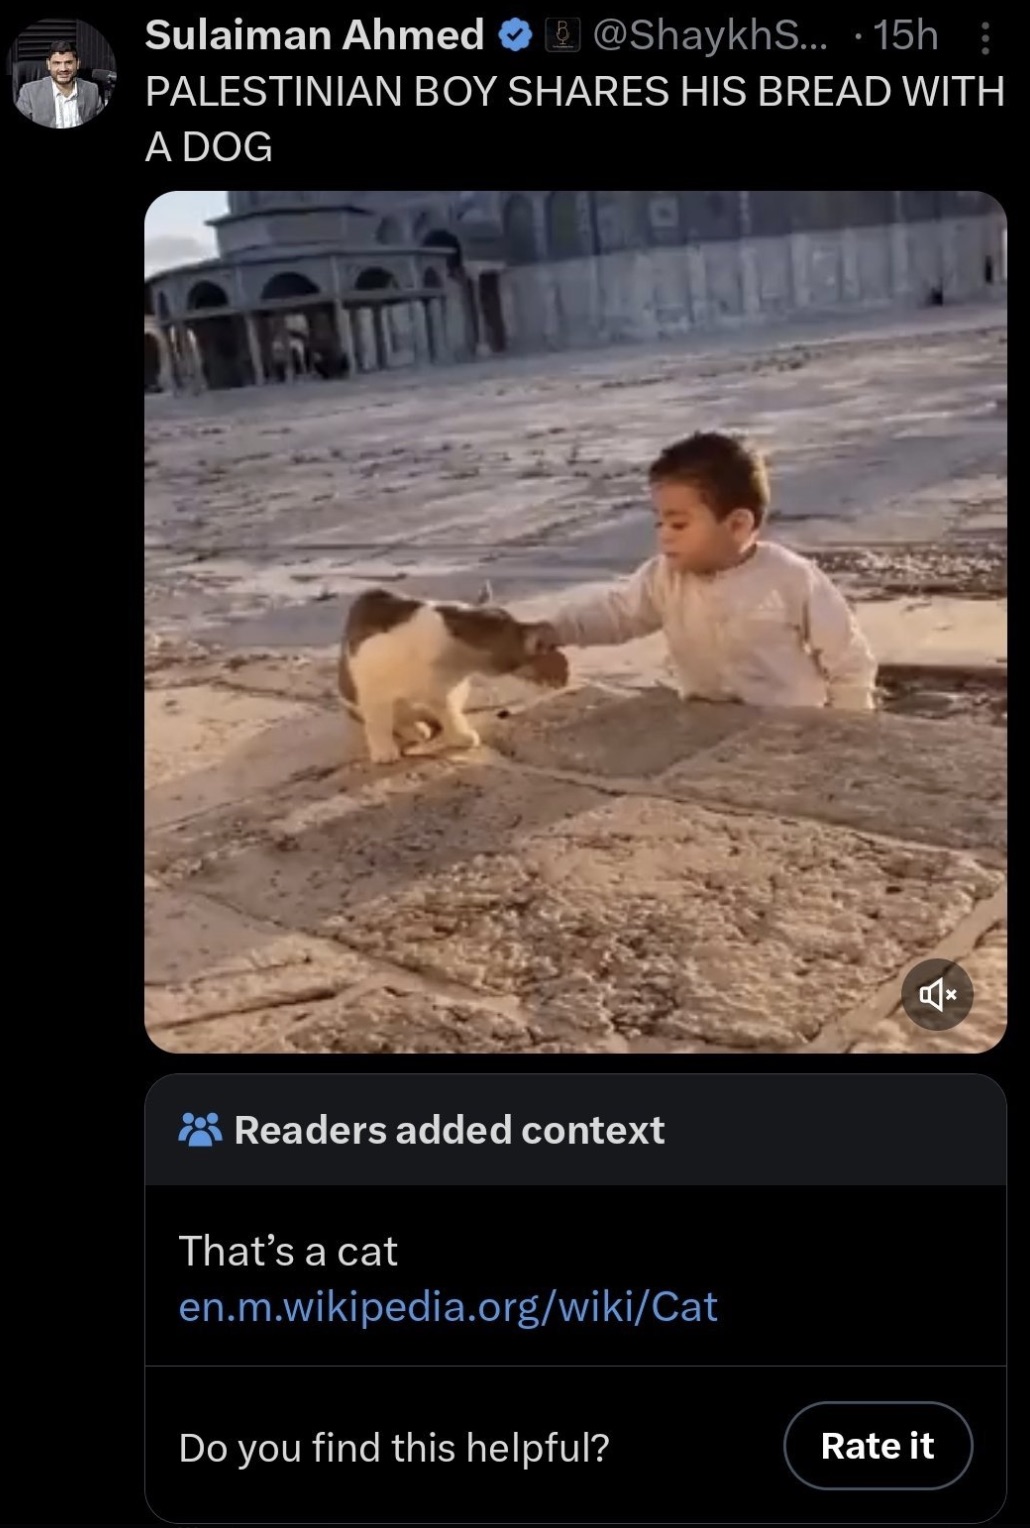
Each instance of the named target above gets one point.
<point>773,631</point>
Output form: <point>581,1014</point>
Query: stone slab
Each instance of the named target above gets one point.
<point>981,1030</point>
<point>372,1022</point>
<point>293,995</point>
<point>941,630</point>
<point>395,1020</point>
<point>308,677</point>
<point>650,918</point>
<point>189,939</point>
<point>186,727</point>
<point>209,746</point>
<point>617,736</point>
<point>291,809</point>
<point>184,937</point>
<point>234,997</point>
<point>302,860</point>
<point>206,964</point>
<point>934,782</point>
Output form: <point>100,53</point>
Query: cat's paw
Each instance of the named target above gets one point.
<point>467,738</point>
<point>384,753</point>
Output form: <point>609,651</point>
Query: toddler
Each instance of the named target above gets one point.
<point>745,619</point>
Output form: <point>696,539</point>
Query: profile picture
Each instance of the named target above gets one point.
<point>61,73</point>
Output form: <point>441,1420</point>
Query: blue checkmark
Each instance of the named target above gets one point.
<point>515,35</point>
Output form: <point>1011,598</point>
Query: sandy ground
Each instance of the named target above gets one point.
<point>266,510</point>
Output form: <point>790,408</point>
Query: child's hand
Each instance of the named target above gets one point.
<point>545,637</point>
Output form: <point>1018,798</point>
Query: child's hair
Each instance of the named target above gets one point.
<point>727,473</point>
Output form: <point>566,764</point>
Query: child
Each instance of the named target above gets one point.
<point>745,619</point>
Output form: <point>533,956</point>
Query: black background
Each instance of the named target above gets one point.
<point>803,1275</point>
<point>718,1129</point>
<point>78,1062</point>
<point>687,1445</point>
<point>843,1288</point>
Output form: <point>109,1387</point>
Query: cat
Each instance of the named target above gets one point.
<point>406,664</point>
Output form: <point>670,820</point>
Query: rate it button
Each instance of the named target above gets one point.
<point>878,1446</point>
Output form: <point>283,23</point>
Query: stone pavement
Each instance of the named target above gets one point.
<point>612,873</point>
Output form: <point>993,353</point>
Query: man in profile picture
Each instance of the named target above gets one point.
<point>62,99</point>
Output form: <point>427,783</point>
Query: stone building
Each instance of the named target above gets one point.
<point>341,282</point>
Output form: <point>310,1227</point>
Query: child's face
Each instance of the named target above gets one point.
<point>691,536</point>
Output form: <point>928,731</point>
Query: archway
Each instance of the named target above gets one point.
<point>220,339</point>
<point>207,294</point>
<point>520,231</point>
<point>296,341</point>
<point>389,232</point>
<point>289,284</point>
<point>564,241</point>
<point>431,278</point>
<point>163,310</point>
<point>374,279</point>
<point>377,326</point>
<point>440,238</point>
<point>463,290</point>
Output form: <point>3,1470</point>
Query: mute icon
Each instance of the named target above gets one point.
<point>937,994</point>
<point>933,994</point>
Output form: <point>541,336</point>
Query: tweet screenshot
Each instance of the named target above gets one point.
<point>570,1079</point>
<point>575,637</point>
<point>575,1299</point>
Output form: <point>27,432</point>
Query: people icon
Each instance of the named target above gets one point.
<point>200,1129</point>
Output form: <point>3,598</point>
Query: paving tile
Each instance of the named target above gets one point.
<point>646,917</point>
<point>932,782</point>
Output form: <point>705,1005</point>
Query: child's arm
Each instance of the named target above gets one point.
<point>839,647</point>
<point>616,615</point>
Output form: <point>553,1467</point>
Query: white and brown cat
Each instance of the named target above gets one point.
<point>406,666</point>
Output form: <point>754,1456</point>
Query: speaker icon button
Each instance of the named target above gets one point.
<point>937,994</point>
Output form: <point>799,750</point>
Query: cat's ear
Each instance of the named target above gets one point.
<point>485,595</point>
